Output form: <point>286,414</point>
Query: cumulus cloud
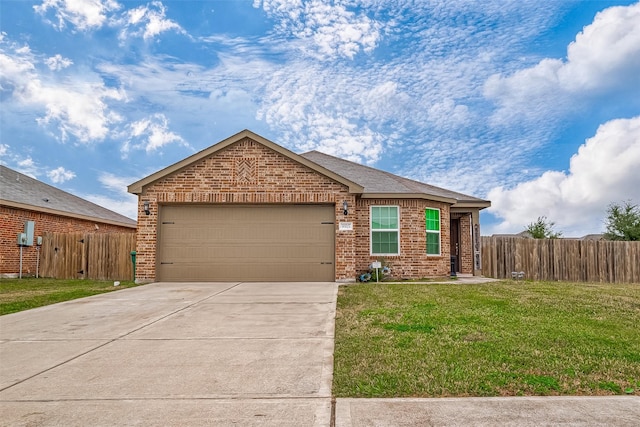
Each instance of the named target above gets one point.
<point>147,22</point>
<point>79,110</point>
<point>60,175</point>
<point>28,167</point>
<point>124,206</point>
<point>57,62</point>
<point>604,170</point>
<point>330,28</point>
<point>151,134</point>
<point>83,15</point>
<point>604,57</point>
<point>115,196</point>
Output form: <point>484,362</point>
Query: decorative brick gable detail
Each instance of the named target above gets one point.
<point>246,172</point>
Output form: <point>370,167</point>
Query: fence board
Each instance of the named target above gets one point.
<point>96,256</point>
<point>562,259</point>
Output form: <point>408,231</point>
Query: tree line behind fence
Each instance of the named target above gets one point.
<point>104,256</point>
<point>562,259</point>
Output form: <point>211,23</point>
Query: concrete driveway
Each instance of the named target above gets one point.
<point>173,354</point>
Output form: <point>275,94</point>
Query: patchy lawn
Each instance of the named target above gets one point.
<point>23,294</point>
<point>496,339</point>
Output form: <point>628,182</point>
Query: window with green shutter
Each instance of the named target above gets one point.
<point>432,226</point>
<point>385,230</point>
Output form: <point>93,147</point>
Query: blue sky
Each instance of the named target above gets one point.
<point>534,105</point>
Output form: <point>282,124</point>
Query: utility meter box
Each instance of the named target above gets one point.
<point>22,239</point>
<point>39,240</point>
<point>29,230</point>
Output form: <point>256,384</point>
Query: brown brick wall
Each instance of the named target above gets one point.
<point>243,173</point>
<point>413,261</point>
<point>247,172</point>
<point>466,249</point>
<point>12,222</point>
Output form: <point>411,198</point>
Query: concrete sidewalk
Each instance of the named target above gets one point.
<point>183,354</point>
<point>489,412</point>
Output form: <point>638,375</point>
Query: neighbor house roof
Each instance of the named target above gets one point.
<point>381,184</point>
<point>23,192</point>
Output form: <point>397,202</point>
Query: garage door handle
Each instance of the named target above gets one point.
<point>328,222</point>
<point>327,263</point>
<point>162,263</point>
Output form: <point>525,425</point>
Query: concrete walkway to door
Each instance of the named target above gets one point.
<point>187,354</point>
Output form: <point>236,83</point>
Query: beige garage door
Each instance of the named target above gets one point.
<point>246,243</point>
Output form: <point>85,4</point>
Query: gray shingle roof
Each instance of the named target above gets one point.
<point>24,190</point>
<point>376,181</point>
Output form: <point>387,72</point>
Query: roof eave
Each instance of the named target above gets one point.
<point>138,187</point>
<point>468,204</point>
<point>408,196</point>
<point>66,214</point>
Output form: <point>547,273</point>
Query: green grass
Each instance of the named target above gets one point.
<point>24,294</point>
<point>497,339</point>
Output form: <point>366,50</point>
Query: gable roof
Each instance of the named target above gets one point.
<point>137,187</point>
<point>381,184</point>
<point>362,180</point>
<point>23,192</point>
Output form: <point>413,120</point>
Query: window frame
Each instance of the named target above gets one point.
<point>427,232</point>
<point>371,229</point>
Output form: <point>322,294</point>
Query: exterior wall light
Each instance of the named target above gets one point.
<point>345,208</point>
<point>145,205</point>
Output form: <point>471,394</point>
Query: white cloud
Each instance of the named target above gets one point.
<point>127,206</point>
<point>76,109</point>
<point>28,167</point>
<point>151,134</point>
<point>60,175</point>
<point>604,57</point>
<point>604,170</point>
<point>150,20</point>
<point>330,28</point>
<point>116,197</point>
<point>57,62</point>
<point>82,14</point>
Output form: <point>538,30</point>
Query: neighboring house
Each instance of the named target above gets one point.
<point>24,199</point>
<point>247,209</point>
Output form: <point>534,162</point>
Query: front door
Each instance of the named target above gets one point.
<point>455,243</point>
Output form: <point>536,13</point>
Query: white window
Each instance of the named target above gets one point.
<point>385,230</point>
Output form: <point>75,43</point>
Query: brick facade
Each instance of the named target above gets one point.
<point>413,261</point>
<point>246,172</point>
<point>466,249</point>
<point>12,222</point>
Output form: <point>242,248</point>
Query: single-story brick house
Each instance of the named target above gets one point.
<point>247,209</point>
<point>24,199</point>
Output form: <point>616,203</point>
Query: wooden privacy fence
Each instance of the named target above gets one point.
<point>562,259</point>
<point>104,256</point>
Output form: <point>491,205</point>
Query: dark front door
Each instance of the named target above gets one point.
<point>455,243</point>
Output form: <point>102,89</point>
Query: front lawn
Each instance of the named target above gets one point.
<point>496,339</point>
<point>23,294</point>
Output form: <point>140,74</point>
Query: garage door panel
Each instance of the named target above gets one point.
<point>246,243</point>
<point>252,272</point>
<point>255,253</point>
